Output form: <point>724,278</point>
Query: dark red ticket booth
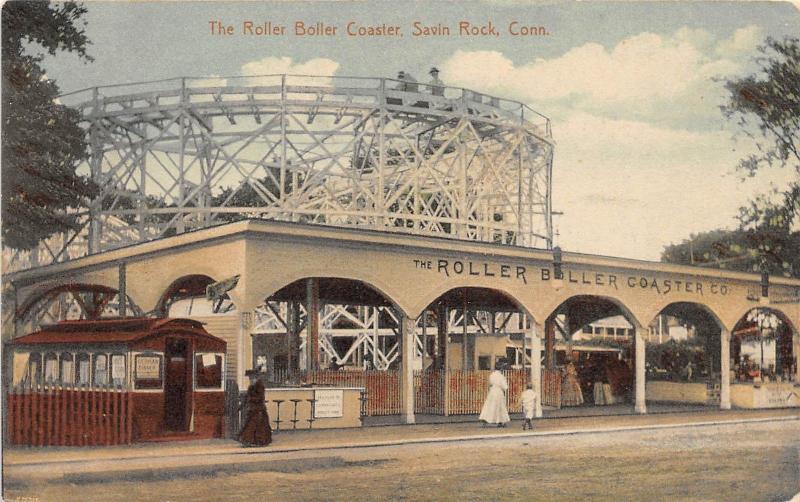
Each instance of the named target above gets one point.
<point>172,369</point>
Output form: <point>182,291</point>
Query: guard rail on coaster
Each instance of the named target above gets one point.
<point>187,153</point>
<point>241,94</point>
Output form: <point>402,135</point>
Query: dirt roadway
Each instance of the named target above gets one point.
<point>732,462</point>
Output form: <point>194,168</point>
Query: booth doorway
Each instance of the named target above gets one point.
<point>177,384</point>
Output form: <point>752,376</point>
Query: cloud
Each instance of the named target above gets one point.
<point>643,155</point>
<point>643,76</point>
<point>628,188</point>
<point>267,71</point>
<point>320,68</point>
<point>743,41</point>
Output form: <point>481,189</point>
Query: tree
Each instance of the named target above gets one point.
<point>248,196</point>
<point>766,106</point>
<point>746,250</point>
<point>42,141</point>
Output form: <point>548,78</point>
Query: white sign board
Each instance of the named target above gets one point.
<point>148,368</point>
<point>329,403</point>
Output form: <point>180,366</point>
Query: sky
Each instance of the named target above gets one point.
<point>643,156</point>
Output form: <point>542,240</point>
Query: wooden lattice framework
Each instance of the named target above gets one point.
<point>187,153</point>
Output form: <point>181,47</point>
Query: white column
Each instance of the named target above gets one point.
<point>407,327</point>
<point>725,369</point>
<point>244,348</point>
<point>640,406</point>
<point>536,367</point>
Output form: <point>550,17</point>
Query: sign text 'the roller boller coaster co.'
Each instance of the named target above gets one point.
<point>457,268</point>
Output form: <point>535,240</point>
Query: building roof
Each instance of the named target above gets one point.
<point>105,331</point>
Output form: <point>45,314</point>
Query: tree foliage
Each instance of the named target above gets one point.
<point>252,194</point>
<point>42,142</point>
<point>745,250</point>
<point>766,107</point>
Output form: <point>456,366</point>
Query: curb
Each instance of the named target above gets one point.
<point>485,437</point>
<point>267,451</point>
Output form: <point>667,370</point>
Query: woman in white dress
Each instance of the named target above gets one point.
<point>494,410</point>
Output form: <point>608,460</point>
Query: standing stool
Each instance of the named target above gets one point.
<point>295,420</point>
<point>313,403</point>
<point>278,418</point>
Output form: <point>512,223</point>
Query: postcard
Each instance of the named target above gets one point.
<point>351,250</point>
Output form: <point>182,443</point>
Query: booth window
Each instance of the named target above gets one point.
<point>147,371</point>
<point>50,368</point>
<point>208,371</point>
<point>82,366</point>
<point>118,369</point>
<point>67,369</point>
<point>100,369</point>
<point>34,368</point>
<point>20,366</point>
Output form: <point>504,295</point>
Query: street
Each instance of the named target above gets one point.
<point>756,461</point>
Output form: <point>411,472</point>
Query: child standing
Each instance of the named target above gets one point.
<point>528,400</point>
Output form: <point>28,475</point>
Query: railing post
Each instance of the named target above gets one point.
<point>16,419</point>
<point>40,412</point>
<point>83,417</point>
<point>55,439</point>
<point>129,418</point>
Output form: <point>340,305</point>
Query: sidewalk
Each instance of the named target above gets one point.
<point>122,461</point>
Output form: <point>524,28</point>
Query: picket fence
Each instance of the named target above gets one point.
<point>69,416</point>
<point>435,392</point>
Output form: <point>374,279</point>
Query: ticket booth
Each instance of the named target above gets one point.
<point>172,368</point>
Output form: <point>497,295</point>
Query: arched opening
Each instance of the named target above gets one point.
<point>590,349</point>
<point>764,354</point>
<point>73,302</point>
<point>186,297</point>
<point>462,336</point>
<point>684,356</point>
<point>484,328</point>
<point>325,323</point>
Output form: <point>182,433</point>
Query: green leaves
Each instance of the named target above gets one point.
<point>767,107</point>
<point>743,250</point>
<point>42,141</point>
<point>770,102</point>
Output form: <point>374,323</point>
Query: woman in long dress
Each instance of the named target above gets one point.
<point>494,409</point>
<point>571,394</point>
<point>256,430</point>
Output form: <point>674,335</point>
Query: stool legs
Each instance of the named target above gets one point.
<point>313,403</point>
<point>278,418</point>
<point>294,418</point>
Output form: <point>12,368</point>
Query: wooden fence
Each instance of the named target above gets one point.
<point>468,390</point>
<point>69,416</point>
<point>429,392</point>
<point>551,387</point>
<point>383,387</point>
<point>462,393</point>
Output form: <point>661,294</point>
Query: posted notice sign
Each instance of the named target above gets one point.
<point>148,367</point>
<point>329,403</point>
